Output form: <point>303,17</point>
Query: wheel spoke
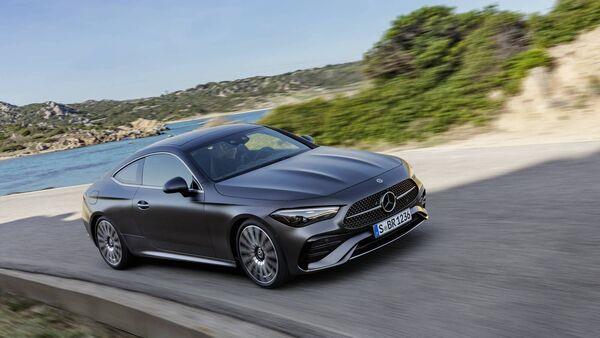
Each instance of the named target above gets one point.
<point>253,267</point>
<point>271,264</point>
<point>100,231</point>
<point>263,272</point>
<point>253,236</point>
<point>245,249</point>
<point>269,247</point>
<point>246,238</point>
<point>247,259</point>
<point>245,243</point>
<point>263,239</point>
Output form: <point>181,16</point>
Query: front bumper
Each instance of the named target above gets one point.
<point>361,243</point>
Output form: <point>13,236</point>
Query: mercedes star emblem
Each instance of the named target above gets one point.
<point>388,201</point>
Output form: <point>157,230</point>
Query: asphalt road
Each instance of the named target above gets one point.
<point>512,249</point>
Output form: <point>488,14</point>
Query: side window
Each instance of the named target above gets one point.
<point>158,169</point>
<point>131,174</point>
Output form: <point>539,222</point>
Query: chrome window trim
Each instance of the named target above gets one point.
<point>201,190</point>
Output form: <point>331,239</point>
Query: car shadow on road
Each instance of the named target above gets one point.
<point>181,265</point>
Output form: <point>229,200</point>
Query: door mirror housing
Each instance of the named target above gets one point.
<point>176,185</point>
<point>308,138</point>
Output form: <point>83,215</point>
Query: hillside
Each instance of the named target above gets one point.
<point>556,104</point>
<point>225,96</point>
<point>54,126</point>
<point>435,69</point>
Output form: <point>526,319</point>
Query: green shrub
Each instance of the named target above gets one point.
<point>11,147</point>
<point>516,68</point>
<point>566,20</point>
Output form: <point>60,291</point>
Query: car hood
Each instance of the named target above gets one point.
<point>319,172</point>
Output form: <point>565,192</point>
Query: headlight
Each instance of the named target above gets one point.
<point>305,216</point>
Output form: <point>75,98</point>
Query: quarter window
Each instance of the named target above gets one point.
<point>131,174</point>
<point>158,169</point>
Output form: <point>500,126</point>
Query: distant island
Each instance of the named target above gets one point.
<point>51,126</point>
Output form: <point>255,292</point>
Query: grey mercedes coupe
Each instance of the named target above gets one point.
<point>264,199</point>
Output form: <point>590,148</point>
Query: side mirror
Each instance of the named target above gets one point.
<point>177,184</point>
<point>308,138</point>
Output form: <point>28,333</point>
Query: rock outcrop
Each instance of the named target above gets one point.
<point>6,107</point>
<point>81,137</point>
<point>7,112</point>
<point>62,112</point>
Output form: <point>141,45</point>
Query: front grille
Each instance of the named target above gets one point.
<point>359,215</point>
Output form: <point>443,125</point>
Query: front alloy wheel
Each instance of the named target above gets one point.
<point>260,257</point>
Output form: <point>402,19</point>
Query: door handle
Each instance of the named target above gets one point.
<point>143,205</point>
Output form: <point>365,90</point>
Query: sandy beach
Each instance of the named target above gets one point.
<point>213,115</point>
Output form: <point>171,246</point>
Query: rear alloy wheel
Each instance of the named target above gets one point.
<point>111,245</point>
<point>260,256</point>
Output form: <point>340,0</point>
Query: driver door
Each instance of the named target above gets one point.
<point>172,222</point>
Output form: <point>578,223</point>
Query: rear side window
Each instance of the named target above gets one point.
<point>158,169</point>
<point>131,174</point>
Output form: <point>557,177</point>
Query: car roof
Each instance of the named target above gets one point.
<point>176,143</point>
<point>205,135</point>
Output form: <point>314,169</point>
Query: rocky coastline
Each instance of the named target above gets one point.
<point>82,137</point>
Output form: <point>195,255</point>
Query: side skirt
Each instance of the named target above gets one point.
<point>186,258</point>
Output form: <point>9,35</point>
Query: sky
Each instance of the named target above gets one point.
<point>71,51</point>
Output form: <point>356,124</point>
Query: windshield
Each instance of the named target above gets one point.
<point>242,152</point>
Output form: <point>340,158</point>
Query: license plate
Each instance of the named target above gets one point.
<point>392,223</point>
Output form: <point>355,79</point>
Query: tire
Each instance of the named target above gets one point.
<point>260,255</point>
<point>111,245</point>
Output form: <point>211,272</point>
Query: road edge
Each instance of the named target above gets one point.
<point>132,312</point>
